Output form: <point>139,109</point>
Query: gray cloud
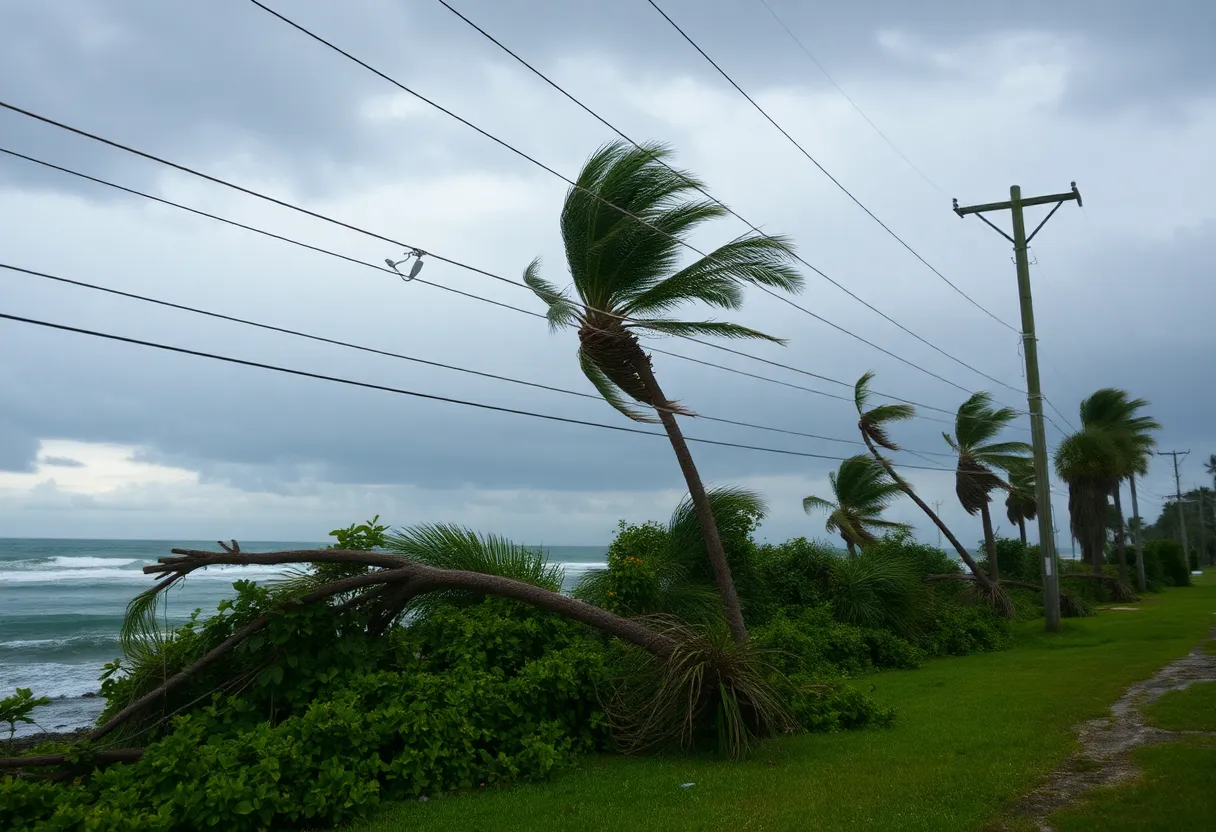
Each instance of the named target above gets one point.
<point>61,462</point>
<point>1121,287</point>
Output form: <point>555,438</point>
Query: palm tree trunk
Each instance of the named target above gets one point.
<point>980,577</point>
<point>851,547</point>
<point>1120,533</point>
<point>994,566</point>
<point>1141,581</point>
<point>700,501</point>
<point>1022,530</point>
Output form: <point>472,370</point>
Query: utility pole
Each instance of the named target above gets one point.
<point>937,508</point>
<point>1186,549</point>
<point>1034,394</point>
<point>1203,533</point>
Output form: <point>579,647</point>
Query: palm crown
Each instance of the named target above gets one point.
<point>1112,411</point>
<point>862,490</point>
<point>1021,504</point>
<point>976,424</point>
<point>873,422</point>
<point>626,273</point>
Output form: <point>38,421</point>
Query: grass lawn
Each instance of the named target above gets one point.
<point>1192,709</point>
<point>1175,794</point>
<point>972,734</point>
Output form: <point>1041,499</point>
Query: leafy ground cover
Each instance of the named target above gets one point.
<point>972,733</point>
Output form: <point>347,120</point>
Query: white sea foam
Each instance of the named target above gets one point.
<point>111,575</point>
<point>72,562</point>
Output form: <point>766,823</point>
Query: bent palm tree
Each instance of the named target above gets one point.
<point>1021,504</point>
<point>626,280</point>
<point>862,490</point>
<point>1113,410</point>
<point>976,424</point>
<point>873,424</point>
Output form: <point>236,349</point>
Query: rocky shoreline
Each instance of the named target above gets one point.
<point>22,744</point>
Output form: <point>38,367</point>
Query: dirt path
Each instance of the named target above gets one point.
<point>1106,744</point>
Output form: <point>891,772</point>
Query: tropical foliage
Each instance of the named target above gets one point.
<point>1021,504</point>
<point>862,491</point>
<point>1113,444</point>
<point>976,427</point>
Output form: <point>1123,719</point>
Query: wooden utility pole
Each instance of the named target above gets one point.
<point>1186,549</point>
<point>1034,394</point>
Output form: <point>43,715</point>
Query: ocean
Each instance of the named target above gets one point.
<point>62,603</point>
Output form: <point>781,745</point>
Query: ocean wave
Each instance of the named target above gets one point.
<point>76,642</point>
<point>51,679</point>
<point>118,575</point>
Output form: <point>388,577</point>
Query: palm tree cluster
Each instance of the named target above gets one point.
<point>1114,444</point>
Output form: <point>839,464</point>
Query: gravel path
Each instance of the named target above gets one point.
<point>1106,744</point>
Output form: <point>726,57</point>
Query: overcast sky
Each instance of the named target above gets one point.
<point>113,440</point>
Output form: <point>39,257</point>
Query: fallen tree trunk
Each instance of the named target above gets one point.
<point>407,578</point>
<point>117,755</point>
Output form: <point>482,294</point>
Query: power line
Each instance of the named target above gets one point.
<point>397,243</point>
<point>413,393</point>
<point>849,98</point>
<point>373,350</point>
<point>822,169</point>
<point>742,219</point>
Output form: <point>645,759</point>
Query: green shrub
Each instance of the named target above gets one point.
<point>489,693</point>
<point>962,629</point>
<point>1169,560</point>
<point>809,640</point>
<point>17,709</point>
<point>823,707</point>
<point>795,573</point>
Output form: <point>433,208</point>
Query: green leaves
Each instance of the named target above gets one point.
<point>863,490</point>
<point>623,224</point>
<point>18,707</point>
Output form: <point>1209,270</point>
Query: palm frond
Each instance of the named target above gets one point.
<point>717,329</point>
<point>453,547</point>
<point>812,504</point>
<point>561,312</point>
<point>727,503</point>
<point>611,392</point>
<point>717,278</point>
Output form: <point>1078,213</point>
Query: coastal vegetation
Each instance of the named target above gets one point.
<point>430,660</point>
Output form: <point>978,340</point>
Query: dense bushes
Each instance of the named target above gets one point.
<point>315,720</point>
<point>1164,560</point>
<point>488,693</point>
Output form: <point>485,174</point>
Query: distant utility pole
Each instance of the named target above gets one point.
<point>1186,549</point>
<point>937,509</point>
<point>1203,530</point>
<point>1034,394</point>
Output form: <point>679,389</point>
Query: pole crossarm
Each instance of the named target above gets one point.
<point>1008,205</point>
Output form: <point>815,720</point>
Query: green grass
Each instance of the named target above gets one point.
<point>1191,709</point>
<point>1174,794</point>
<point>972,734</point>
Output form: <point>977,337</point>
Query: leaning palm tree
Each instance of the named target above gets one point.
<point>623,224</point>
<point>1114,411</point>
<point>1022,504</point>
<point>862,490</point>
<point>976,425</point>
<point>874,422</point>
